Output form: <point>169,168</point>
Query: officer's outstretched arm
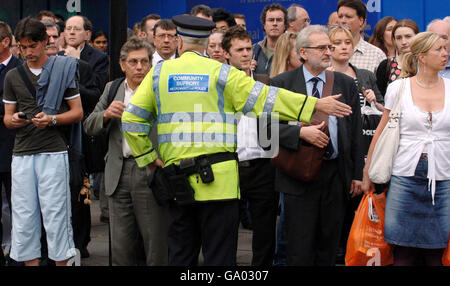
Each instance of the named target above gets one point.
<point>331,106</point>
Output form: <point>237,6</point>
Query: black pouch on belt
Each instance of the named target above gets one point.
<point>183,192</point>
<point>160,186</point>
<point>204,169</point>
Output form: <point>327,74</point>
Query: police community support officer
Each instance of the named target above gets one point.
<point>193,99</point>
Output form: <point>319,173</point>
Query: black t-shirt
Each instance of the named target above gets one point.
<point>29,139</point>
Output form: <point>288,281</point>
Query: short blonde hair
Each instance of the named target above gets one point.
<point>421,44</point>
<point>339,28</point>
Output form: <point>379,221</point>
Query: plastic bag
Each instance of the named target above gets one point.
<point>366,245</point>
<point>446,255</point>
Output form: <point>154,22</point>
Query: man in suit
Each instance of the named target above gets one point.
<point>165,40</point>
<point>7,63</point>
<point>132,207</point>
<point>77,33</point>
<point>314,211</point>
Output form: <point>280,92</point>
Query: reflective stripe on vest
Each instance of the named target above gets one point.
<point>156,73</point>
<point>140,112</point>
<point>135,127</point>
<point>221,83</point>
<point>197,117</point>
<point>253,97</point>
<point>187,137</point>
<point>270,100</point>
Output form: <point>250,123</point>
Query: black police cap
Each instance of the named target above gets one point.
<point>192,26</point>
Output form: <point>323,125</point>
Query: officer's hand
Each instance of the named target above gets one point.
<point>114,110</point>
<point>41,120</point>
<point>331,106</point>
<point>314,135</point>
<point>157,163</point>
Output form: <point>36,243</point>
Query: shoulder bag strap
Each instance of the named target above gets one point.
<point>26,80</point>
<point>328,86</point>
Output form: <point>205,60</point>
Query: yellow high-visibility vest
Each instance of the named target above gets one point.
<point>193,100</point>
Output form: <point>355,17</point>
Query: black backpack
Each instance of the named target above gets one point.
<point>96,147</point>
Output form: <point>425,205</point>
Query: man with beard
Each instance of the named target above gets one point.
<point>314,210</point>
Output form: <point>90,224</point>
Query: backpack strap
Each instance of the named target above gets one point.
<point>113,89</point>
<point>26,80</point>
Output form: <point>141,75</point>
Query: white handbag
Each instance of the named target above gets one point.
<point>380,169</point>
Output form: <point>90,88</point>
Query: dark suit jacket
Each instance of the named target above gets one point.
<point>99,63</point>
<point>6,135</point>
<point>350,158</point>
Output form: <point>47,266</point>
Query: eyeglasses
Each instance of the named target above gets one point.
<point>75,29</point>
<point>322,48</point>
<point>134,62</point>
<point>163,36</point>
<point>306,20</point>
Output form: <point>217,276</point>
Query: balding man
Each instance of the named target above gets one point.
<point>442,28</point>
<point>298,18</point>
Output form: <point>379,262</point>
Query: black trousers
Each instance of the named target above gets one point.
<point>211,226</point>
<point>314,219</point>
<point>5,182</point>
<point>257,178</point>
<point>81,219</point>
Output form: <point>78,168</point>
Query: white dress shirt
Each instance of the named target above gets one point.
<point>157,58</point>
<point>126,151</point>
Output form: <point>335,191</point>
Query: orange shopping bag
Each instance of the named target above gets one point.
<point>446,255</point>
<point>366,245</point>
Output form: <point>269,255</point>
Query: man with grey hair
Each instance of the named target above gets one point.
<point>53,36</point>
<point>315,209</point>
<point>442,28</point>
<point>132,207</point>
<point>298,18</point>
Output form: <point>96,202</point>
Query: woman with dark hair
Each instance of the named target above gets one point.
<point>417,215</point>
<point>382,36</point>
<point>99,40</point>
<point>389,70</point>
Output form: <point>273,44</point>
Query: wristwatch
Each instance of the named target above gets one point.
<point>53,122</point>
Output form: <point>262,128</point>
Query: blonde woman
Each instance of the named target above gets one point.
<point>418,199</point>
<point>285,56</point>
<point>343,46</point>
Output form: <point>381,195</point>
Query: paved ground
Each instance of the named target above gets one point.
<point>98,247</point>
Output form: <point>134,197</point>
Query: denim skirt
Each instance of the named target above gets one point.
<point>411,218</point>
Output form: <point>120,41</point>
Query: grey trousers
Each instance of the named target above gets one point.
<point>133,211</point>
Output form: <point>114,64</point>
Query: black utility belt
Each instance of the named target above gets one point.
<point>201,165</point>
<point>172,182</point>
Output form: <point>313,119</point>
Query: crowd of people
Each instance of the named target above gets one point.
<point>69,132</point>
